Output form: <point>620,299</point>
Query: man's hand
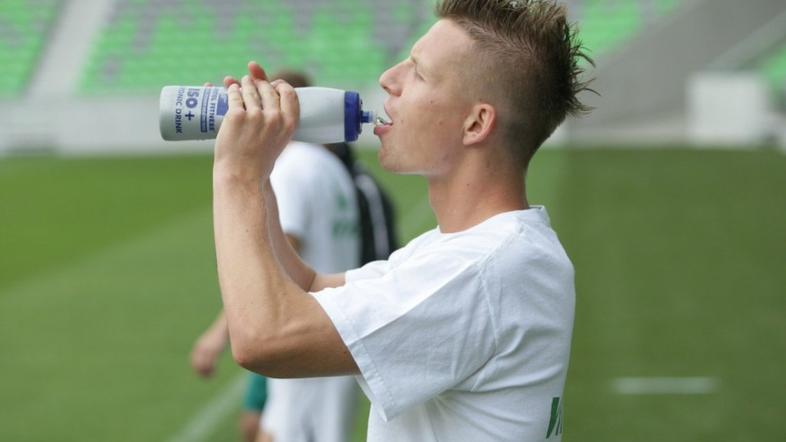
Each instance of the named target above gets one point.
<point>258,125</point>
<point>208,348</point>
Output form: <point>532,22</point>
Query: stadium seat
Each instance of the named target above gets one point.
<point>605,25</point>
<point>773,68</point>
<point>149,43</point>
<point>23,31</point>
<point>346,43</point>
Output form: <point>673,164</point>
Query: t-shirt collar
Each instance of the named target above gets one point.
<point>535,213</point>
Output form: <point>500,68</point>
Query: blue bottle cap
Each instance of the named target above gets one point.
<point>353,116</point>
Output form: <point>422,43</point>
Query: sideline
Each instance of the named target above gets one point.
<point>665,385</point>
<point>202,424</point>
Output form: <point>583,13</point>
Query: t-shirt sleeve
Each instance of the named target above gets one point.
<point>415,331</point>
<point>292,197</point>
<point>373,269</point>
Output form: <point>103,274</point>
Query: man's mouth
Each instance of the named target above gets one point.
<point>385,118</point>
<point>382,124</point>
<point>381,121</point>
<point>382,129</point>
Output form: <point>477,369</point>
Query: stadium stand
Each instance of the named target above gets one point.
<point>607,24</point>
<point>773,68</point>
<point>23,32</point>
<point>147,43</point>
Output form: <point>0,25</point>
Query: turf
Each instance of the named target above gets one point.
<point>680,259</point>
<point>107,275</point>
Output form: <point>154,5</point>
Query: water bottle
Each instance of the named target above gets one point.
<point>326,115</point>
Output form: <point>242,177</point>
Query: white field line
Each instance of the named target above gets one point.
<point>665,385</point>
<point>202,424</point>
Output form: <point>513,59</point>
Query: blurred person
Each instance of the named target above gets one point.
<point>463,334</point>
<point>378,237</point>
<point>321,409</point>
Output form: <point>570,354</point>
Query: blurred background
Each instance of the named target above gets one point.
<point>669,198</point>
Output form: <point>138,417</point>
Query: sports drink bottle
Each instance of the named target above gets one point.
<point>326,115</point>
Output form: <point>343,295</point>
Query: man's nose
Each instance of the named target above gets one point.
<point>388,81</point>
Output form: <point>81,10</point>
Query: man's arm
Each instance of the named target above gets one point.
<point>209,347</point>
<point>287,252</point>
<point>298,270</point>
<point>275,327</point>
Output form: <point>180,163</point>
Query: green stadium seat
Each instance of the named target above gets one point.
<point>25,26</point>
<point>773,68</point>
<point>345,42</point>
<point>606,25</point>
<point>338,43</point>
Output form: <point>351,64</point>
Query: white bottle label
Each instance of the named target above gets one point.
<point>191,113</point>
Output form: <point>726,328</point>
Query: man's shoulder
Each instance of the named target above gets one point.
<point>511,243</point>
<point>495,234</point>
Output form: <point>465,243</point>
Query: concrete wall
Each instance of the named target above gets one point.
<point>109,126</point>
<point>647,78</point>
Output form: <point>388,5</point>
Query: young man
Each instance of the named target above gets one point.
<point>464,334</point>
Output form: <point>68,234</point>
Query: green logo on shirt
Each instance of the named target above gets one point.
<point>341,202</point>
<point>342,226</point>
<point>555,422</point>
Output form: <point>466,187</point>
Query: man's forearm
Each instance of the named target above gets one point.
<point>299,271</point>
<point>275,327</point>
<point>256,292</point>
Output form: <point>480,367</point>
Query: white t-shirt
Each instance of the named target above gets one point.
<point>316,204</point>
<point>463,336</point>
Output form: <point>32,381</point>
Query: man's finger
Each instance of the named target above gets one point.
<point>229,80</point>
<point>256,71</point>
<point>250,94</point>
<point>290,106</point>
<point>270,100</point>
<point>234,98</point>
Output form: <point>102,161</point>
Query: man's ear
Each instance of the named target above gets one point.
<point>479,123</point>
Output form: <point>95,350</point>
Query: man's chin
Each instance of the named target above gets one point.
<point>386,158</point>
<point>393,163</point>
<point>386,162</point>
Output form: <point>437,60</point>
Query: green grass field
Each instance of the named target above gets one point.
<point>107,275</point>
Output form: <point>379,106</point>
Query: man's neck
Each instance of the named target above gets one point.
<point>474,193</point>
